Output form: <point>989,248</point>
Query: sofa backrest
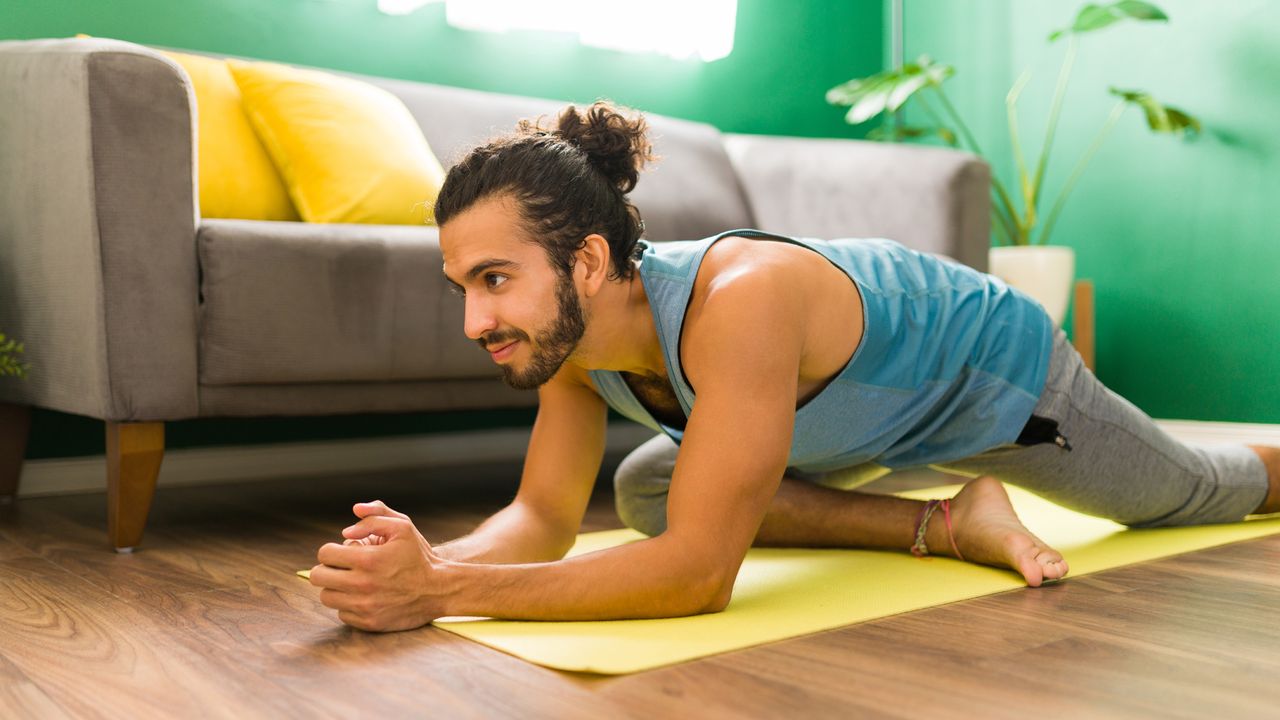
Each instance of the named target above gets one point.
<point>691,192</point>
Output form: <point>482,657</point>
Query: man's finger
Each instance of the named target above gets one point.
<point>388,527</point>
<point>344,557</point>
<point>338,600</point>
<point>355,620</point>
<point>325,576</point>
<point>377,507</point>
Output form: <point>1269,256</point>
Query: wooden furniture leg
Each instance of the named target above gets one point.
<point>1082,329</point>
<point>15,428</point>
<point>134,452</point>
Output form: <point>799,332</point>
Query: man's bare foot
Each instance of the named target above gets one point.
<point>988,531</point>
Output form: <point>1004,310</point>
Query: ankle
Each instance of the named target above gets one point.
<point>941,539</point>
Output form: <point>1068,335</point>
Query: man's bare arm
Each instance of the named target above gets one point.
<point>565,451</point>
<point>743,360</point>
<point>731,461</point>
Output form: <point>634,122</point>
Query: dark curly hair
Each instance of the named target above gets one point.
<point>569,181</point>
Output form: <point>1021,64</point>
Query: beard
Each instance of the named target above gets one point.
<point>553,345</point>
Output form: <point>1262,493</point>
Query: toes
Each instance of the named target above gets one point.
<point>1052,564</point>
<point>1041,565</point>
<point>1031,570</point>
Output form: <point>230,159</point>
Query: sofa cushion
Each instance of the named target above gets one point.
<point>691,192</point>
<point>237,177</point>
<point>289,302</point>
<point>348,150</point>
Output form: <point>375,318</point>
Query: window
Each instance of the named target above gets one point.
<point>676,28</point>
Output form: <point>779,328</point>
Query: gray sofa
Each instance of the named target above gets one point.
<point>136,311</point>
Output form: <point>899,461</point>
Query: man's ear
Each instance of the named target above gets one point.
<point>592,263</point>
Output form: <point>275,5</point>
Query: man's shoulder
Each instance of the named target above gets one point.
<point>746,266</point>
<point>748,288</point>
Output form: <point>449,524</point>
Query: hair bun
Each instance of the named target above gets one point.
<point>614,142</point>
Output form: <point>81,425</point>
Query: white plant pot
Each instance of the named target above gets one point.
<point>1045,272</point>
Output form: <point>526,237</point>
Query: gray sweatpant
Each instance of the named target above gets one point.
<point>1119,464</point>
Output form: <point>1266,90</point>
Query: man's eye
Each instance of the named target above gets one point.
<point>493,280</point>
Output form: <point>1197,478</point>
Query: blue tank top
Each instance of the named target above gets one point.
<point>951,363</point>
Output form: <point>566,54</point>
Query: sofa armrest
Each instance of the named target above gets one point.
<point>931,199</point>
<point>97,228</point>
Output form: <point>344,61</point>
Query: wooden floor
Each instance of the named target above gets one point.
<point>208,620</point>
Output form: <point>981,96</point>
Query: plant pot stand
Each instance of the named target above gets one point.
<point>1082,328</point>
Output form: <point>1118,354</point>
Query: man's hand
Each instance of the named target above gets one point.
<point>384,576</point>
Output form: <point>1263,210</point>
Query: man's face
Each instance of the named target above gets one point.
<point>518,307</point>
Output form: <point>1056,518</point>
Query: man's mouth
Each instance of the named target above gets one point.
<point>502,352</point>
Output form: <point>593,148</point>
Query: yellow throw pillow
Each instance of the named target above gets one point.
<point>237,177</point>
<point>349,152</point>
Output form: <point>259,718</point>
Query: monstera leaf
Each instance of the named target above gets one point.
<point>1096,17</point>
<point>868,97</point>
<point>1160,118</point>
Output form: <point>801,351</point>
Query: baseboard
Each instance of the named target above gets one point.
<point>205,466</point>
<point>1203,432</point>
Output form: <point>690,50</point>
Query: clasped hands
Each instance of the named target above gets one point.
<point>384,576</point>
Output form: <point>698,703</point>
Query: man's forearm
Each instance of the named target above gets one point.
<point>514,534</point>
<point>646,579</point>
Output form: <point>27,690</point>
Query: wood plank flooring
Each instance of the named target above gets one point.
<point>208,620</point>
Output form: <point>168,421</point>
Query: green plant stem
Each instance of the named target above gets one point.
<point>1028,220</point>
<point>933,114</point>
<point>1114,117</point>
<point>964,129</point>
<point>1007,223</point>
<point>1054,113</point>
<point>1003,221</point>
<point>1003,212</point>
<point>1002,224</point>
<point>1006,204</point>
<point>1001,193</point>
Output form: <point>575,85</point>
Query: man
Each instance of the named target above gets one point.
<point>811,361</point>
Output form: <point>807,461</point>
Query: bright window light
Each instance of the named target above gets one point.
<point>675,28</point>
<point>403,7</point>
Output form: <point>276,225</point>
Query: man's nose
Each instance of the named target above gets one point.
<point>479,320</point>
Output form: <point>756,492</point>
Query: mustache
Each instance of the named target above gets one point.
<point>498,338</point>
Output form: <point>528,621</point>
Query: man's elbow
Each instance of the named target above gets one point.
<point>719,599</point>
<point>711,594</point>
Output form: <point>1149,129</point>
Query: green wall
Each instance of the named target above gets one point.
<point>1182,239</point>
<point>786,54</point>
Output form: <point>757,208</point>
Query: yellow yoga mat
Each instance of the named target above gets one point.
<point>784,593</point>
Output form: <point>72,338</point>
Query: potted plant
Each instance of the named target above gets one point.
<point>1022,255</point>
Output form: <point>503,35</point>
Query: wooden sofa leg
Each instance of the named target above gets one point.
<point>134,452</point>
<point>15,428</point>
